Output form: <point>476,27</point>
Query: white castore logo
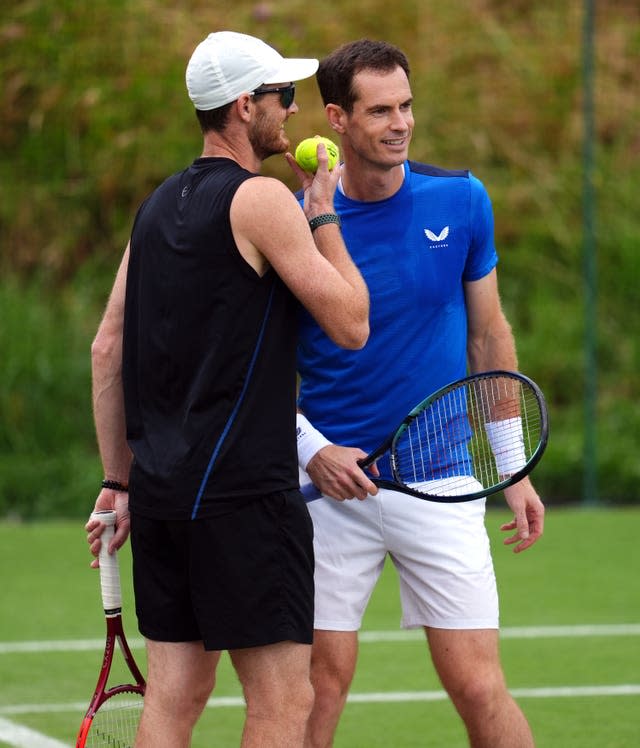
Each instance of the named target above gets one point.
<point>437,237</point>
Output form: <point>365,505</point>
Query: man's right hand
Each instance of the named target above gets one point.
<point>335,471</point>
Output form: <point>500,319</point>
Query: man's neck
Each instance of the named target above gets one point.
<point>235,148</point>
<point>371,185</point>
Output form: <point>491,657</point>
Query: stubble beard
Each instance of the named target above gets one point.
<point>265,139</point>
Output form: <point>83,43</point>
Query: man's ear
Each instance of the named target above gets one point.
<point>243,106</point>
<point>335,116</point>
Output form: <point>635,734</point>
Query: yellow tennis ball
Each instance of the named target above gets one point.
<point>307,157</point>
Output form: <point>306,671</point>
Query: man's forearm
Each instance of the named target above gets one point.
<point>107,392</point>
<point>108,412</point>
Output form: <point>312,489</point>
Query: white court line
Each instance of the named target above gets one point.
<point>508,632</point>
<point>630,689</point>
<point>222,702</point>
<point>517,632</point>
<point>19,736</point>
<point>63,645</point>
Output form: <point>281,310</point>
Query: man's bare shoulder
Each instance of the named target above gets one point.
<point>268,188</point>
<point>262,198</point>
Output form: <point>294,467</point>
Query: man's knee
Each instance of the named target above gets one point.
<point>480,692</point>
<point>333,662</point>
<point>330,690</point>
<point>280,702</point>
<point>182,706</point>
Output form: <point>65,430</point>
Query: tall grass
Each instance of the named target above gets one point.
<point>95,114</point>
<point>48,458</point>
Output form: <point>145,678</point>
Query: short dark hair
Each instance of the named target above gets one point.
<point>336,71</point>
<point>214,119</point>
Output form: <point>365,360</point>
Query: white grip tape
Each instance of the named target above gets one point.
<point>109,573</point>
<point>309,440</point>
<point>507,444</point>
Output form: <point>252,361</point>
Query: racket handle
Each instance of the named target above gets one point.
<point>109,572</point>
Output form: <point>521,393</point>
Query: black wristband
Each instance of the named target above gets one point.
<point>322,219</point>
<point>114,485</point>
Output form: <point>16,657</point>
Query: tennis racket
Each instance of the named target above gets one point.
<point>113,714</point>
<point>467,440</point>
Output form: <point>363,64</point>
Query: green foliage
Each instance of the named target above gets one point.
<point>48,458</point>
<point>95,114</point>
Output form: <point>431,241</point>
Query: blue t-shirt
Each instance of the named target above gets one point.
<point>414,250</point>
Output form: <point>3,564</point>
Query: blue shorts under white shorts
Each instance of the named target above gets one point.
<point>441,552</point>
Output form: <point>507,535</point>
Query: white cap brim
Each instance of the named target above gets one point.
<point>293,69</point>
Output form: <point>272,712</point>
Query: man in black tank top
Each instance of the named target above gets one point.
<point>194,401</point>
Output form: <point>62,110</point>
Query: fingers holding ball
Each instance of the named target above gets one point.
<point>306,153</point>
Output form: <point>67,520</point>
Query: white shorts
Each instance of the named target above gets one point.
<point>441,552</point>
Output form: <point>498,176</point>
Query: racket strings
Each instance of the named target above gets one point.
<point>433,446</point>
<point>475,434</point>
<point>116,722</point>
<point>514,427</point>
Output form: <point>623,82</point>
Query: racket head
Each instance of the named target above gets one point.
<point>471,438</point>
<point>114,721</point>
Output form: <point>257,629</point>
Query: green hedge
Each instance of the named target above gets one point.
<point>94,114</point>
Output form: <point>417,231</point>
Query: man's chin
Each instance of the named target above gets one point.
<point>275,151</point>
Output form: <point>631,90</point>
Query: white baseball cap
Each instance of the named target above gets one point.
<point>227,64</point>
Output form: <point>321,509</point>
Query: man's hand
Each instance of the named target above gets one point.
<point>528,515</point>
<point>318,188</point>
<point>108,499</point>
<point>335,471</point>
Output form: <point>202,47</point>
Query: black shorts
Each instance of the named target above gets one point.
<point>244,579</point>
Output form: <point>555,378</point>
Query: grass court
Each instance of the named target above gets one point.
<point>570,642</point>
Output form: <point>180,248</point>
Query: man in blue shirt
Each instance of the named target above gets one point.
<point>423,239</point>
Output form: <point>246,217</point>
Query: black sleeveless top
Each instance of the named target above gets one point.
<point>208,358</point>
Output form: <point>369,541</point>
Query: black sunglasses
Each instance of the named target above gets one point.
<point>287,93</point>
